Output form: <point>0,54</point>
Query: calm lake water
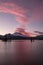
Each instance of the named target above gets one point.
<point>21,52</point>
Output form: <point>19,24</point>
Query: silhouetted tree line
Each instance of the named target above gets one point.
<point>7,37</point>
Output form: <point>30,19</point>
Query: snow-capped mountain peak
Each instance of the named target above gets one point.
<point>18,34</point>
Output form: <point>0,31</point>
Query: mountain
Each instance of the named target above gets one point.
<point>15,36</point>
<point>1,36</point>
<point>40,37</point>
<point>19,34</point>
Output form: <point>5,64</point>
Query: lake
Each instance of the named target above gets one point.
<point>21,52</point>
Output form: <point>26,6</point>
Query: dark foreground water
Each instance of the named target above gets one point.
<point>21,52</point>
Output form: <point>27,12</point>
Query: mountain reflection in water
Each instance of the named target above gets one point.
<point>21,52</point>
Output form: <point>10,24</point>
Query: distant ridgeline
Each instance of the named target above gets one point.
<point>19,36</point>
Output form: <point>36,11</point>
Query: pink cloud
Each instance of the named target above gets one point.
<point>21,13</point>
<point>15,10</point>
<point>37,14</point>
<point>11,8</point>
<point>23,20</point>
<point>23,31</point>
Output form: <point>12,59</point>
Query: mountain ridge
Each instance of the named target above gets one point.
<point>19,36</point>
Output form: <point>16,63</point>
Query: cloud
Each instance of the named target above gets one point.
<point>11,8</point>
<point>38,32</point>
<point>23,20</point>
<point>26,11</point>
<point>38,13</point>
<point>23,31</point>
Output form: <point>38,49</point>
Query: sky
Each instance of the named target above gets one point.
<point>27,14</point>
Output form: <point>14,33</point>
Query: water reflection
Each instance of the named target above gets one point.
<point>20,52</point>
